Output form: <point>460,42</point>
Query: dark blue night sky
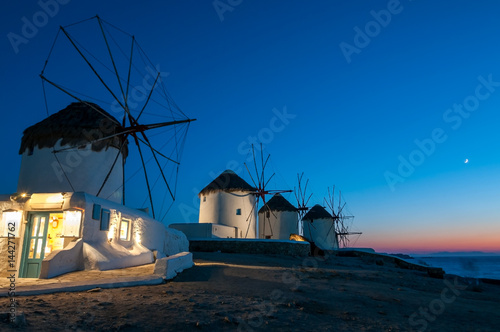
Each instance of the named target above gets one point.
<point>387,100</point>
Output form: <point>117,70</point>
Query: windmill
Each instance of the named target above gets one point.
<point>260,183</point>
<point>302,200</point>
<point>95,63</point>
<point>340,220</point>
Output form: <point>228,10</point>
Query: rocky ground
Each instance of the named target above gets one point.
<point>256,292</point>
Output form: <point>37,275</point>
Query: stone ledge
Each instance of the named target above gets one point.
<point>169,267</point>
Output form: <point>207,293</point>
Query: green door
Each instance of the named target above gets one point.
<point>34,245</point>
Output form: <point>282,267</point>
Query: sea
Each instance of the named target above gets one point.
<point>465,266</point>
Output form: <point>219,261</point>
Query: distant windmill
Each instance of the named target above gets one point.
<point>260,183</point>
<point>302,200</point>
<point>340,220</point>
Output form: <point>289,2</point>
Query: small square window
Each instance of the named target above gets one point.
<point>105,220</point>
<point>238,212</point>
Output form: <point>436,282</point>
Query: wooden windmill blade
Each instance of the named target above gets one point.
<point>113,72</point>
<point>344,231</point>
<point>301,196</point>
<point>302,199</point>
<point>260,183</point>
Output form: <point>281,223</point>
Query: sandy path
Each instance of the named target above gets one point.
<point>256,292</point>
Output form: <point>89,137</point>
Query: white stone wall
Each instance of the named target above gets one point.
<point>220,208</point>
<point>205,230</point>
<point>4,241</point>
<point>322,233</point>
<point>85,169</point>
<point>279,225</point>
<point>145,230</point>
<point>95,250</point>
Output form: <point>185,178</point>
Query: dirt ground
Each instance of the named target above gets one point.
<point>256,292</point>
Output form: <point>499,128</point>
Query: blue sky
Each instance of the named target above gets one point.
<point>349,118</point>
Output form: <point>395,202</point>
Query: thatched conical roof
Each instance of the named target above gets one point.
<point>77,125</point>
<point>227,181</point>
<point>317,212</point>
<point>278,203</point>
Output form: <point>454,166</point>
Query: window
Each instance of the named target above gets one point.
<point>125,230</point>
<point>204,198</point>
<point>238,212</point>
<point>96,212</point>
<point>268,214</point>
<point>105,220</point>
<point>72,220</point>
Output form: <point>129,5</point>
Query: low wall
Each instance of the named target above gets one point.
<point>251,246</point>
<point>169,267</point>
<point>63,261</point>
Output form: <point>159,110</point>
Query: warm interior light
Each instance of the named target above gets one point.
<point>47,201</point>
<point>23,195</point>
<point>124,230</point>
<point>71,223</point>
<point>111,232</point>
<point>55,241</point>
<point>55,222</point>
<point>56,198</point>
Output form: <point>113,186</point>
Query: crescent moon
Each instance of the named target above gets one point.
<point>466,161</point>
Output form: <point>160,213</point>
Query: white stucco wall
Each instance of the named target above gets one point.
<point>85,169</point>
<point>205,230</point>
<point>220,208</point>
<point>63,261</point>
<point>7,204</point>
<point>279,225</point>
<point>317,232</point>
<point>93,249</point>
<point>150,233</point>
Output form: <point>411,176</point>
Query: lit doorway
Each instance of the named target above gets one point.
<point>42,236</point>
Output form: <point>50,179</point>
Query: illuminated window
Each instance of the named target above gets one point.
<point>238,212</point>
<point>72,220</point>
<point>55,239</point>
<point>125,230</point>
